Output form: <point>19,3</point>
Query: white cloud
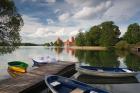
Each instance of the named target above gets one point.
<point>30,25</point>
<point>50,1</point>
<point>50,21</point>
<point>92,12</point>
<point>41,32</point>
<point>84,2</point>
<point>34,31</point>
<point>74,33</point>
<point>122,10</point>
<point>57,11</point>
<point>64,17</point>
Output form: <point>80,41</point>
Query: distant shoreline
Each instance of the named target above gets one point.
<point>87,47</point>
<point>75,47</point>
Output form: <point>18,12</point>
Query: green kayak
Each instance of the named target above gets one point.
<point>18,64</point>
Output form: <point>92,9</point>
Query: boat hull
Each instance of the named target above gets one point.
<point>18,69</point>
<point>105,73</point>
<point>36,63</point>
<point>43,60</point>
<point>18,64</point>
<point>66,85</point>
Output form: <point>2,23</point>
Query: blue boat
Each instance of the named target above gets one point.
<point>106,71</point>
<point>58,84</point>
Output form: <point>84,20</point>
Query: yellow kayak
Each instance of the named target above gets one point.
<point>19,69</point>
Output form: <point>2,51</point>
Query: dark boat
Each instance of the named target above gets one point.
<point>106,71</point>
<point>58,84</point>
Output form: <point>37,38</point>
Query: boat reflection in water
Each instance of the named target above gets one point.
<point>104,80</point>
<point>17,68</point>
<point>15,73</point>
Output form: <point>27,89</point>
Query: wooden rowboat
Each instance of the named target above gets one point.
<point>58,84</point>
<point>106,71</point>
<point>17,69</point>
<point>18,66</point>
<point>14,73</point>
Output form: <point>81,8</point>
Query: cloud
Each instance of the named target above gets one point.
<point>41,32</point>
<point>84,2</point>
<point>122,10</point>
<point>34,31</point>
<point>57,11</point>
<point>92,12</point>
<point>50,1</point>
<point>64,17</point>
<point>30,25</point>
<point>50,21</point>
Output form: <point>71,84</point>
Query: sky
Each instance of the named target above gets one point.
<point>46,20</point>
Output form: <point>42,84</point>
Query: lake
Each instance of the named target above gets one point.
<point>110,58</point>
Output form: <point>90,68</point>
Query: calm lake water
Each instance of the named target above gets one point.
<point>110,58</point>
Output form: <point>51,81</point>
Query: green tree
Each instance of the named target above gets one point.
<point>10,23</point>
<point>92,37</point>
<point>122,45</point>
<point>132,36</point>
<point>109,33</point>
<point>51,43</point>
<point>80,39</point>
<point>47,44</point>
<point>59,42</point>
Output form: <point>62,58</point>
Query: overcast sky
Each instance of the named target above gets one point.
<point>46,20</point>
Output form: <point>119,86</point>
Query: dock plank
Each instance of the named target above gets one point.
<point>16,85</point>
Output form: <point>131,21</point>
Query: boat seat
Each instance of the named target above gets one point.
<point>93,92</point>
<point>77,90</point>
<point>100,70</point>
<point>127,70</point>
<point>55,83</point>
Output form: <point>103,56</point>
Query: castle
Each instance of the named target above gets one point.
<point>70,42</point>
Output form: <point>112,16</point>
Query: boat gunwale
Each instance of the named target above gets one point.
<point>54,91</point>
<point>106,73</point>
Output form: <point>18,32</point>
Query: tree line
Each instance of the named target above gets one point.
<point>108,34</point>
<point>58,42</point>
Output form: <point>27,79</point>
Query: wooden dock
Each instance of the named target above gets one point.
<point>32,78</point>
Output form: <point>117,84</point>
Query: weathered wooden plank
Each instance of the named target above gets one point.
<point>31,78</point>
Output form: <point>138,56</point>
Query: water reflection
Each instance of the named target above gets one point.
<point>95,58</point>
<point>105,80</point>
<point>7,49</point>
<point>112,58</point>
<point>70,51</point>
<point>58,50</point>
<point>14,73</point>
<point>133,61</point>
<point>17,68</point>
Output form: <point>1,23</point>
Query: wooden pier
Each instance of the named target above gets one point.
<point>33,78</point>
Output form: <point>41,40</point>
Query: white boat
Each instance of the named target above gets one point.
<point>106,71</point>
<point>43,60</point>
